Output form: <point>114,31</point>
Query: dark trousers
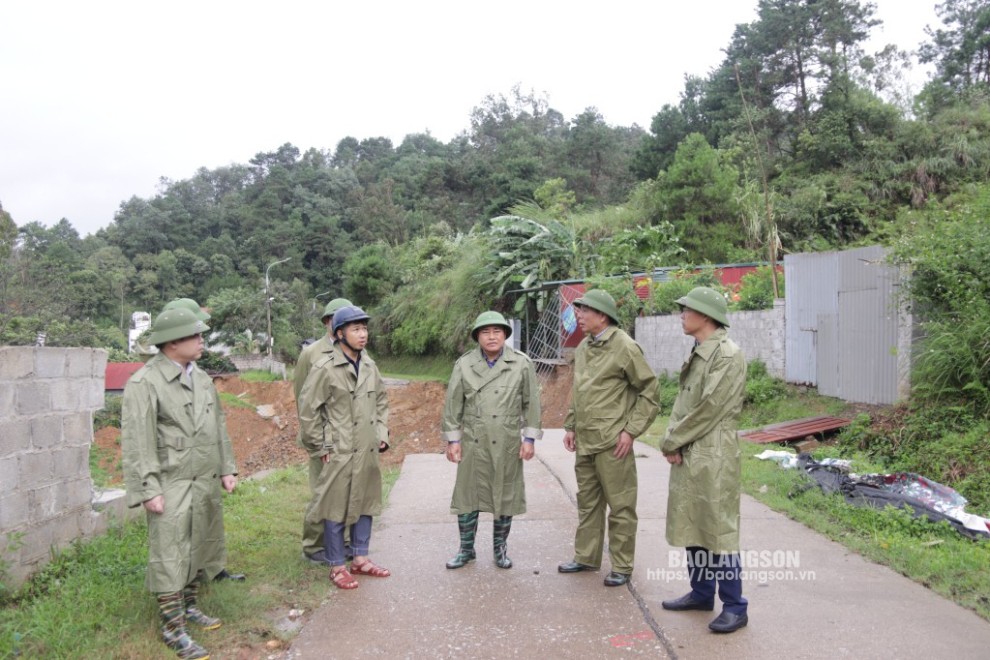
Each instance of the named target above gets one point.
<point>710,572</point>
<point>333,539</point>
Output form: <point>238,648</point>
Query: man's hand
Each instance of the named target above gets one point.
<point>454,452</point>
<point>674,459</point>
<point>156,504</point>
<point>569,441</point>
<point>624,445</point>
<point>527,450</point>
<point>229,482</point>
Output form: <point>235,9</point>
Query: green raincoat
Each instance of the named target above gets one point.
<point>309,355</point>
<point>489,410</point>
<point>175,444</point>
<point>703,504</point>
<point>345,414</point>
<point>614,390</point>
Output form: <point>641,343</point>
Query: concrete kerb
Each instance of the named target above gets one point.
<point>809,597</point>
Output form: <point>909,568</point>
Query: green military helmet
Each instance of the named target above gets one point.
<point>334,305</point>
<point>490,318</point>
<point>600,300</point>
<point>191,305</point>
<point>173,324</point>
<point>707,301</point>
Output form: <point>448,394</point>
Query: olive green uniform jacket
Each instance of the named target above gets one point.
<point>309,355</point>
<point>175,444</point>
<point>614,390</point>
<point>703,504</point>
<point>345,414</point>
<point>312,535</point>
<point>489,410</point>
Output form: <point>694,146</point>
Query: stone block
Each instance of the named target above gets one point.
<point>71,463</point>
<point>66,394</point>
<point>49,362</point>
<point>15,436</point>
<point>46,431</point>
<point>43,503</point>
<point>10,477</point>
<point>806,445</point>
<point>7,390</point>
<point>37,467</point>
<point>99,357</point>
<point>16,362</point>
<point>66,528</point>
<point>34,397</point>
<point>95,396</point>
<point>77,429</point>
<point>79,363</point>
<point>37,543</point>
<point>75,494</point>
<point>13,510</point>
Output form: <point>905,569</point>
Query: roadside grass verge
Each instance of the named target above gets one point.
<point>935,556</point>
<point>417,368</point>
<point>91,600</point>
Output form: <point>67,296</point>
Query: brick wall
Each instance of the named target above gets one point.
<point>759,334</point>
<point>47,399</point>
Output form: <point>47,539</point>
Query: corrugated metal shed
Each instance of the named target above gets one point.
<point>844,327</point>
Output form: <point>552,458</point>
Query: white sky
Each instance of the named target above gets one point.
<point>98,100</point>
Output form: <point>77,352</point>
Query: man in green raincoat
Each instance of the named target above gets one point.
<point>343,412</point>
<point>199,313</point>
<point>176,459</point>
<point>491,420</point>
<point>613,402</point>
<point>702,447</point>
<point>312,534</point>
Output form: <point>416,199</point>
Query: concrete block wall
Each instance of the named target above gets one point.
<point>760,335</point>
<point>260,362</point>
<point>47,399</point>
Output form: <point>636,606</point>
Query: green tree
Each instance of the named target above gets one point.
<point>960,51</point>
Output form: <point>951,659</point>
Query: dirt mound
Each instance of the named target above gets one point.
<point>268,440</point>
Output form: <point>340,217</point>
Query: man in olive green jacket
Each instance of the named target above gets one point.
<point>613,402</point>
<point>491,420</point>
<point>176,458</point>
<point>312,534</point>
<point>343,409</point>
<point>702,446</point>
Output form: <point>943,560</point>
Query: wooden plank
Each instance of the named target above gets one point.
<point>798,429</point>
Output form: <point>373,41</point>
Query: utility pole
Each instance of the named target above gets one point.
<point>268,303</point>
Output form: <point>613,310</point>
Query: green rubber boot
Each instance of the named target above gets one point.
<point>467,523</point>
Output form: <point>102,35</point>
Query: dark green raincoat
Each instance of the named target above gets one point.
<point>489,410</point>
<point>175,444</point>
<point>703,504</point>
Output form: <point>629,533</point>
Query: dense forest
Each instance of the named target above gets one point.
<point>799,141</point>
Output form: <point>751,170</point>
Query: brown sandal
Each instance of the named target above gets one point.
<point>342,579</point>
<point>368,567</point>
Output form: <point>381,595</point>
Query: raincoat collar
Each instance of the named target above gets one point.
<point>604,335</point>
<point>705,349</point>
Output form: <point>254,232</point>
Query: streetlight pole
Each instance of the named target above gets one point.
<point>268,303</point>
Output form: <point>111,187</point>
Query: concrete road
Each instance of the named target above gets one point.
<point>809,597</point>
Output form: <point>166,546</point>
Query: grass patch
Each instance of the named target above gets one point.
<point>91,600</point>
<point>259,376</point>
<point>417,368</point>
<point>235,401</point>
